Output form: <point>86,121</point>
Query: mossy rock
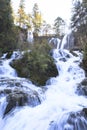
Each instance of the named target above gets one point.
<point>37,65</point>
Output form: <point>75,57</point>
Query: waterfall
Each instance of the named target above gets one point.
<point>60,107</point>
<point>55,42</point>
<point>29,36</point>
<point>68,41</point>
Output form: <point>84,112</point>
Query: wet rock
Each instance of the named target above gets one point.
<point>84,82</point>
<point>73,53</point>
<point>85,111</point>
<point>15,99</point>
<point>71,121</point>
<point>21,98</point>
<point>5,91</point>
<point>63,59</point>
<point>82,88</point>
<point>77,120</point>
<point>9,54</point>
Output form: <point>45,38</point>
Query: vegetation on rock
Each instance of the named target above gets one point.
<point>37,65</point>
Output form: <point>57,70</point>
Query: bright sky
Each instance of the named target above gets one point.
<point>50,9</point>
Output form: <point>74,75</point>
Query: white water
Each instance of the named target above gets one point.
<point>60,97</point>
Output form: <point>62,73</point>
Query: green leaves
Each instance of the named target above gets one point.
<point>59,26</point>
<point>7,32</point>
<point>37,65</point>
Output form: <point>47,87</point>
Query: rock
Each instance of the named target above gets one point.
<point>84,82</point>
<point>78,120</point>
<point>85,111</point>
<point>18,93</point>
<point>71,121</point>
<point>21,98</point>
<point>82,88</point>
<point>15,99</point>
<point>73,53</point>
<point>9,54</point>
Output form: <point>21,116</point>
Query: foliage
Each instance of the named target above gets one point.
<point>59,26</point>
<point>37,65</point>
<point>37,19</point>
<point>79,26</point>
<point>7,30</point>
<point>46,28</point>
<point>21,14</point>
<point>30,21</point>
<point>79,22</point>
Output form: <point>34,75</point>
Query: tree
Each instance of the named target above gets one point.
<point>79,21</point>
<point>21,14</point>
<point>7,34</point>
<point>29,21</point>
<point>79,26</point>
<point>46,28</point>
<point>6,20</point>
<point>37,19</point>
<point>59,26</point>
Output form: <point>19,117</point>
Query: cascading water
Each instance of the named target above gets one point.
<point>60,108</point>
<point>68,41</point>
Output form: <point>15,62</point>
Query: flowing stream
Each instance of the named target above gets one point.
<point>60,104</point>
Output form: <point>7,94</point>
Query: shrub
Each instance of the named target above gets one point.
<point>37,65</point>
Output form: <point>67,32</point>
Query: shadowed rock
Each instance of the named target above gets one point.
<point>21,98</point>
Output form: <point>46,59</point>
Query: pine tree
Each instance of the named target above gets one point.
<point>6,20</point>
<point>21,14</point>
<point>7,34</point>
<point>79,21</point>
<point>79,26</point>
<point>59,26</point>
<point>37,19</point>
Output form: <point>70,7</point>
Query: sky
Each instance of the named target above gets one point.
<point>50,9</point>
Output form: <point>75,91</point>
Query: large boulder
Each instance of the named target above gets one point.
<point>36,65</point>
<point>71,121</point>
<point>21,98</point>
<point>18,93</point>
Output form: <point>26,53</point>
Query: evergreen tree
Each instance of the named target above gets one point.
<point>37,19</point>
<point>29,21</point>
<point>7,35</point>
<point>6,20</point>
<point>79,21</point>
<point>46,28</point>
<point>59,26</point>
<point>79,26</point>
<point>21,14</point>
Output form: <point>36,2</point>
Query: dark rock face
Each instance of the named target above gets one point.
<point>85,111</point>
<point>15,99</point>
<point>71,121</point>
<point>82,88</point>
<point>78,120</point>
<point>21,98</point>
<point>18,95</point>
